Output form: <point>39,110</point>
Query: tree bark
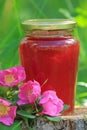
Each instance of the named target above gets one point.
<point>75,121</point>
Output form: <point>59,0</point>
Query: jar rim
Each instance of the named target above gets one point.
<point>48,24</point>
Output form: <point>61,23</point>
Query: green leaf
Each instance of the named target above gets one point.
<point>25,114</point>
<point>66,107</point>
<point>15,96</point>
<point>15,126</point>
<point>55,119</point>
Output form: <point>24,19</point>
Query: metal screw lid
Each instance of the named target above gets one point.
<point>48,24</point>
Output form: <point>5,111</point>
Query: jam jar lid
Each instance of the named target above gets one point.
<point>48,24</point>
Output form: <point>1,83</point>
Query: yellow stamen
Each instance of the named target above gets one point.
<point>9,78</point>
<point>4,110</point>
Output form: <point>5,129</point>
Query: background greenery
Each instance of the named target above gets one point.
<point>13,12</point>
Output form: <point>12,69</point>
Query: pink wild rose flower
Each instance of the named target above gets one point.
<point>12,76</point>
<point>29,92</point>
<point>7,112</point>
<point>51,104</point>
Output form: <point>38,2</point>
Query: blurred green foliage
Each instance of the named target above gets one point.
<point>13,12</point>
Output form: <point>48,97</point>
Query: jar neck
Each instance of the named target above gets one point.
<point>50,33</point>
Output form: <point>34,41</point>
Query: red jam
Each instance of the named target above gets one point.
<point>54,60</point>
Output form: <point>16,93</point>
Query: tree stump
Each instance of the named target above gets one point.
<point>75,121</point>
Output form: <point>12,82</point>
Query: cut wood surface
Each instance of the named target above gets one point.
<point>75,121</point>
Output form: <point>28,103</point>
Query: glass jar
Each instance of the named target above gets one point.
<point>49,53</point>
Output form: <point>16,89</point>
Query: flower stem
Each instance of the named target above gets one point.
<point>44,83</point>
<point>36,107</point>
<point>26,121</point>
